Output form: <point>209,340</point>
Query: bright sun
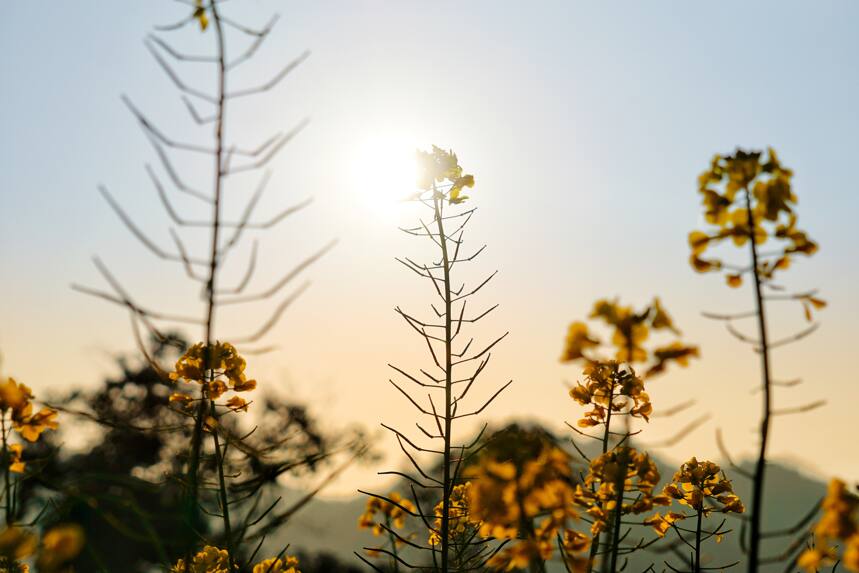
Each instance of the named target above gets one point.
<point>384,173</point>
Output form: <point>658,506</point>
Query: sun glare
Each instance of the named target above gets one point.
<point>384,173</point>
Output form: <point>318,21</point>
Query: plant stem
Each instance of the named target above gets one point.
<point>393,540</point>
<point>197,435</point>
<point>620,484</point>
<point>222,491</point>
<point>448,384</point>
<point>760,466</point>
<point>595,542</point>
<point>7,502</point>
<point>698,544</point>
<point>526,531</point>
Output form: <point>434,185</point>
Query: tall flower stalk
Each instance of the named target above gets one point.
<point>455,366</point>
<point>748,197</point>
<point>617,392</point>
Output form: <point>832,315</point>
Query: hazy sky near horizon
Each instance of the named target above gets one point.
<point>585,124</point>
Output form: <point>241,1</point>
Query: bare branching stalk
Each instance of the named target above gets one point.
<point>448,382</point>
<point>228,159</point>
<point>7,482</point>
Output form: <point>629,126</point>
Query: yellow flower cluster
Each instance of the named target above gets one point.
<point>694,485</point>
<point>527,499</point>
<point>578,343</point>
<point>697,482</point>
<point>440,166</point>
<point>630,330</point>
<point>208,560</point>
<point>16,544</point>
<point>610,388</point>
<point>217,368</point>
<point>199,14</point>
<point>625,468</point>
<point>839,522</point>
<point>392,514</point>
<point>288,564</point>
<point>59,545</point>
<point>15,400</point>
<point>212,559</point>
<point>662,523</point>
<point>768,185</point>
<point>459,521</point>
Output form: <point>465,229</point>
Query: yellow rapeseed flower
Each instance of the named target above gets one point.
<point>608,388</point>
<point>440,168</point>
<point>839,524</point>
<point>459,520</point>
<point>525,479</point>
<point>392,514</point>
<point>767,185</point>
<point>630,330</point>
<point>60,545</point>
<point>208,560</point>
<point>218,369</point>
<point>288,564</point>
<point>600,493</point>
<point>200,15</point>
<point>15,399</point>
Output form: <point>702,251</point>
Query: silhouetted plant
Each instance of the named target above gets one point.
<point>454,368</point>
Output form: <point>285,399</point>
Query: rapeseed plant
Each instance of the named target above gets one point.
<point>748,197</point>
<point>441,184</point>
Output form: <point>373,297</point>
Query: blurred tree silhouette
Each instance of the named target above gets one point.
<point>120,489</point>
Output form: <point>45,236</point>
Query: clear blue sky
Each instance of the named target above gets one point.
<point>586,125</point>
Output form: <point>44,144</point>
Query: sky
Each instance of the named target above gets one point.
<point>585,125</point>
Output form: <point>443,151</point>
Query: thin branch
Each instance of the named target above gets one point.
<point>272,82</point>
<point>274,318</point>
<point>727,456</point>
<point>141,236</point>
<point>174,77</point>
<point>799,409</point>
<point>274,289</point>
